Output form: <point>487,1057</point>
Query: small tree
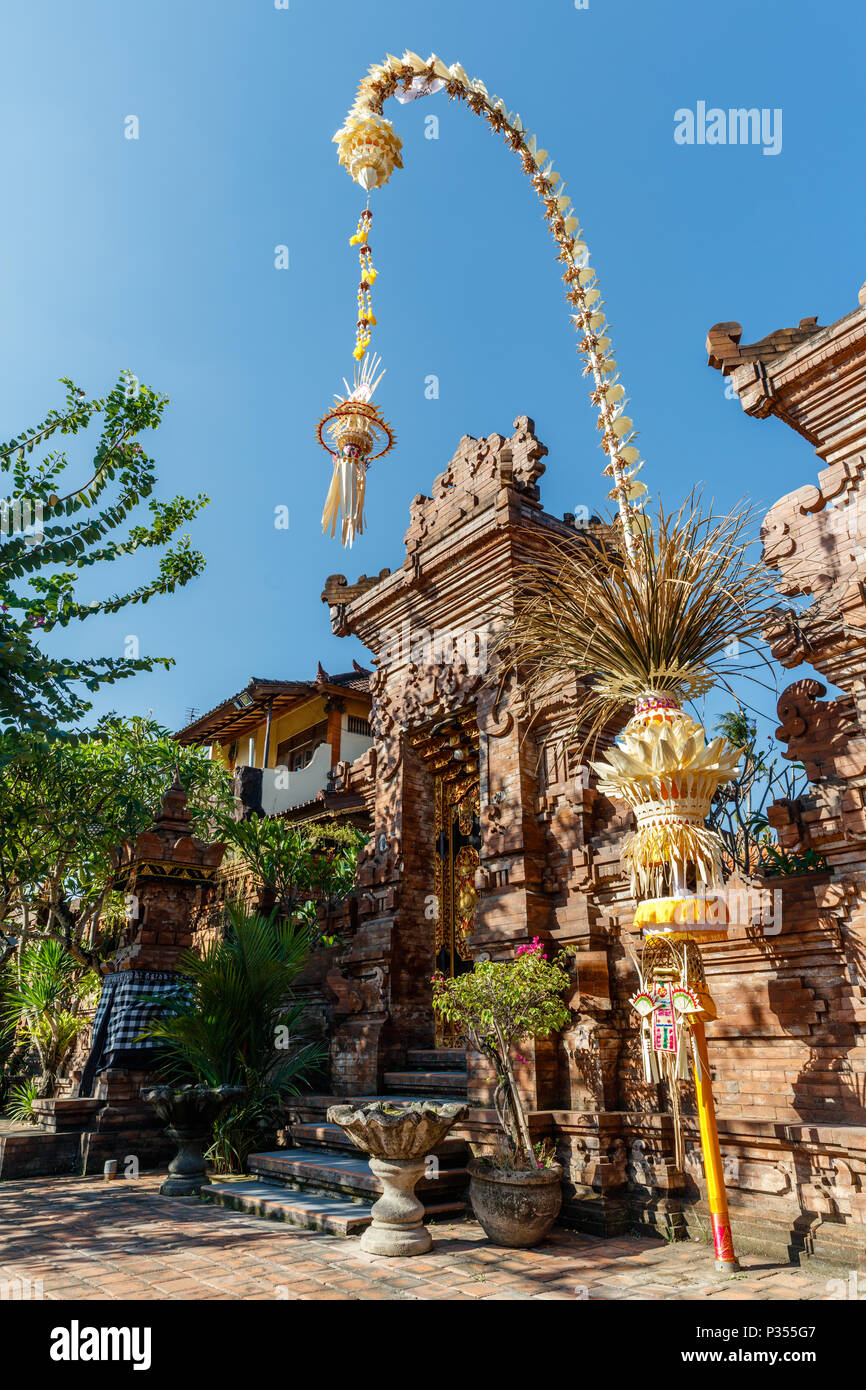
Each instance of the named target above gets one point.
<point>47,541</point>
<point>66,809</point>
<point>297,869</point>
<point>739,809</point>
<point>499,1003</point>
<point>42,1005</point>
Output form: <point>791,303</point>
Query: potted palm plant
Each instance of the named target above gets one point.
<point>236,1026</point>
<point>516,1191</point>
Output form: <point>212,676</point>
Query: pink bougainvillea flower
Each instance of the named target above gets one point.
<point>533,948</point>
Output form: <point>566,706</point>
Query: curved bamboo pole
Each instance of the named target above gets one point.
<point>370,149</point>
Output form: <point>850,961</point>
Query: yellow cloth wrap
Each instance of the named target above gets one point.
<point>662,912</point>
<point>676,915</point>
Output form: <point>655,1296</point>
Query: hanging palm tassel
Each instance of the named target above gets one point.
<point>354,427</point>
<point>357,435</point>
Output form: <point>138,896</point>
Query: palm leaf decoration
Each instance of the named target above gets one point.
<point>659,623</point>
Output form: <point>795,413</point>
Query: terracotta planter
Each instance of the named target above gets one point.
<point>515,1209</point>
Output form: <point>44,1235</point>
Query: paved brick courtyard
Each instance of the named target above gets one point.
<point>88,1239</point>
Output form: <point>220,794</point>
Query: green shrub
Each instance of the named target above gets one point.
<point>19,1106</point>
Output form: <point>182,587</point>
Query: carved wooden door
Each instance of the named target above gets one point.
<point>458,841</point>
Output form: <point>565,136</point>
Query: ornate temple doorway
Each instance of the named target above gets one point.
<point>450,751</point>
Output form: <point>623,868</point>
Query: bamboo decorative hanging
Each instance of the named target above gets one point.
<point>369,150</point>
<point>663,767</point>
<point>355,428</point>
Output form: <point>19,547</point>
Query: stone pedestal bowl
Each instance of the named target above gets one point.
<point>188,1113</point>
<point>397,1140</point>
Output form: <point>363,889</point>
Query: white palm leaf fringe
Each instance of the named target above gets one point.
<point>649,851</point>
<point>344,504</point>
<point>660,622</point>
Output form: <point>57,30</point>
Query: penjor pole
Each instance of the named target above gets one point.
<point>717,1197</point>
<point>663,765</point>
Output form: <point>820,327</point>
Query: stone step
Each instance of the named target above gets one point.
<point>331,1138</point>
<point>67,1114</point>
<point>436,1059</point>
<point>338,1174</point>
<point>445,1085</point>
<point>310,1210</point>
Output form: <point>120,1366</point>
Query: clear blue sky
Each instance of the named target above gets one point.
<point>158,255</point>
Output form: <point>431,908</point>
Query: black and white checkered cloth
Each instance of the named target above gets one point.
<point>130,1000</point>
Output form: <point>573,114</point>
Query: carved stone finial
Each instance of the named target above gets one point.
<point>174,811</point>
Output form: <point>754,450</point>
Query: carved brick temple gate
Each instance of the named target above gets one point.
<point>488,831</point>
<point>548,864</point>
<point>454,869</point>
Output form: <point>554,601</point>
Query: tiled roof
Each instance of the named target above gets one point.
<point>243,712</point>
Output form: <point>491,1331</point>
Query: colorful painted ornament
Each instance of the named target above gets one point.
<point>685,1000</point>
<point>644,1001</point>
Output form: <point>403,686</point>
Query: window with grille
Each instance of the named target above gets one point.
<point>359,724</point>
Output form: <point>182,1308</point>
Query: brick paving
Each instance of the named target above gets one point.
<point>88,1239</point>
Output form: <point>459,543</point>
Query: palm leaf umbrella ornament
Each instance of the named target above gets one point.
<point>355,434</point>
<point>644,619</point>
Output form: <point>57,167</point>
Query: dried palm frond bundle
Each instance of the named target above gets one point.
<point>653,628</point>
<point>671,621</point>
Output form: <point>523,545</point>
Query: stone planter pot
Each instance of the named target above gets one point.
<point>188,1113</point>
<point>398,1140</point>
<point>515,1209</point>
